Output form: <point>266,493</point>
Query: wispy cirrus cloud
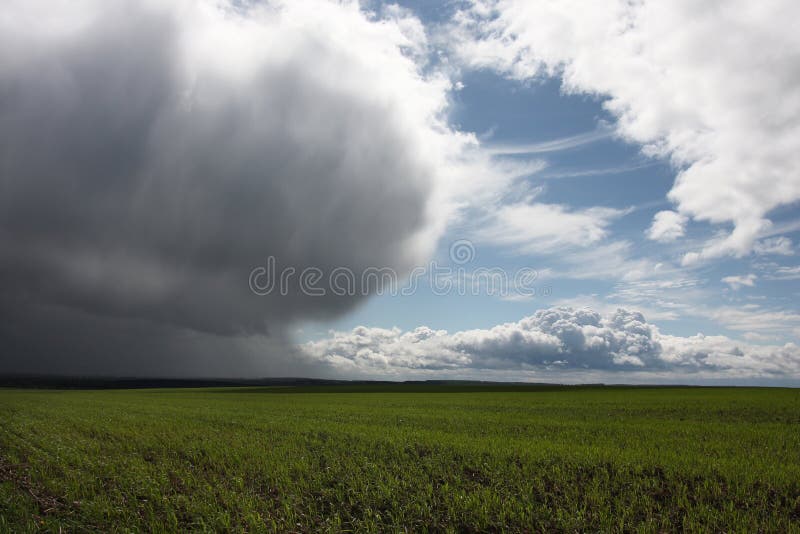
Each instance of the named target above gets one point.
<point>554,145</point>
<point>784,273</point>
<point>780,246</point>
<point>541,228</point>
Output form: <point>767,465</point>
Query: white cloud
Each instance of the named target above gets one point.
<point>610,260</point>
<point>737,281</point>
<point>754,318</point>
<point>662,296</point>
<point>758,337</point>
<point>555,145</point>
<point>781,246</point>
<point>667,226</point>
<point>599,171</point>
<point>538,228</point>
<point>713,86</point>
<point>574,338</point>
<point>727,357</point>
<point>785,273</point>
<point>548,342</point>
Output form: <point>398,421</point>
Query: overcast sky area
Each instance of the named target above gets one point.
<point>527,190</point>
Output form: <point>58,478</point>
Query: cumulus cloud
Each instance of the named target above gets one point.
<point>726,356</point>
<point>713,86</point>
<point>560,337</point>
<point>667,226</point>
<point>153,153</point>
<point>547,343</point>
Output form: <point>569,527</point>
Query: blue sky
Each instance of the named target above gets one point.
<point>651,157</point>
<point>609,172</point>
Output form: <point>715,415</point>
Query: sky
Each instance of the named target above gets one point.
<point>547,191</point>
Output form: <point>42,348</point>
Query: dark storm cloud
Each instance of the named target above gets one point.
<point>142,178</point>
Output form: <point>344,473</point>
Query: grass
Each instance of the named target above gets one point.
<point>394,459</point>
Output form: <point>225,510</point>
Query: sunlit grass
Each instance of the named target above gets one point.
<point>439,459</point>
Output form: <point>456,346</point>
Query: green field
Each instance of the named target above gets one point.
<point>401,458</point>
